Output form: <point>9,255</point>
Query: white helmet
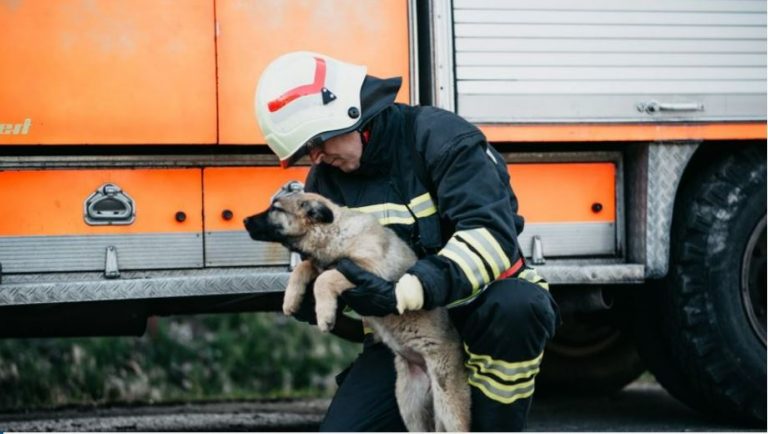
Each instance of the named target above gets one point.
<point>306,97</point>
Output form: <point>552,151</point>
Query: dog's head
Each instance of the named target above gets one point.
<point>290,217</point>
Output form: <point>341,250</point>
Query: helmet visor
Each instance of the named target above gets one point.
<point>309,145</point>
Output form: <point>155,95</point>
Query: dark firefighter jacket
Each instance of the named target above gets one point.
<point>457,210</point>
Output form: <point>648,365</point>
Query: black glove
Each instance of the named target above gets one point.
<point>372,295</point>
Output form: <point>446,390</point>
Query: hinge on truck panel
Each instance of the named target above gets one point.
<point>537,251</point>
<point>111,270</point>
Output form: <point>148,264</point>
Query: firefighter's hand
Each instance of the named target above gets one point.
<point>374,296</point>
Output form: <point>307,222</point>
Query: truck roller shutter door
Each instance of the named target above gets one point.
<point>608,61</point>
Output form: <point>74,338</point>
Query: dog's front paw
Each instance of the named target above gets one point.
<point>326,316</point>
<point>326,324</point>
<point>291,302</point>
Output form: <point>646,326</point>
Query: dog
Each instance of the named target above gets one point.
<point>431,387</point>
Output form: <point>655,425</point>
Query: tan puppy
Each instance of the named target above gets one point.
<point>431,388</point>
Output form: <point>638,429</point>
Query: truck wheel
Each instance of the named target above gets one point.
<point>589,355</point>
<point>712,306</point>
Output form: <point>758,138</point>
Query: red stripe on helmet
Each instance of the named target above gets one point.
<point>307,89</point>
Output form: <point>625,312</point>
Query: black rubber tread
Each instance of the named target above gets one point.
<point>648,328</point>
<point>706,332</point>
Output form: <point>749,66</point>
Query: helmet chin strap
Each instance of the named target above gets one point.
<point>365,135</point>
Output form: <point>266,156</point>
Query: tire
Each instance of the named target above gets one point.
<point>705,326</point>
<point>589,355</point>
<point>648,329</point>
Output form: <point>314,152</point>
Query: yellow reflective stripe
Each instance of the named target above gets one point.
<point>423,206</point>
<point>463,265</point>
<point>520,374</point>
<point>460,248</point>
<point>470,263</point>
<point>472,250</point>
<point>388,213</point>
<point>505,370</point>
<point>392,220</point>
<point>475,375</point>
<point>481,245</point>
<point>418,200</point>
<point>506,374</point>
<point>530,275</point>
<point>467,299</point>
<point>414,203</point>
<point>506,365</point>
<point>506,394</point>
<point>486,255</point>
<point>426,212</point>
<point>394,213</point>
<point>382,208</point>
<point>483,232</point>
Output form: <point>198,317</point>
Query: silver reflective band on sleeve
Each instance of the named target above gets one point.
<point>482,240</point>
<point>423,206</point>
<point>469,263</point>
<point>472,250</point>
<point>393,213</point>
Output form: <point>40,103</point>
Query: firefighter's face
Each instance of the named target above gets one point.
<point>342,152</point>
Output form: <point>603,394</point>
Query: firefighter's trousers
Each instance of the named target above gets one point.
<point>504,332</point>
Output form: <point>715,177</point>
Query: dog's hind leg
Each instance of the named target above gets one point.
<point>328,286</point>
<point>297,286</point>
<point>414,399</point>
<point>450,390</point>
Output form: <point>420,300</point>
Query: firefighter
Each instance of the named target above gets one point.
<point>431,177</point>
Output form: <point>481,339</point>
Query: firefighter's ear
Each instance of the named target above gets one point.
<point>317,211</point>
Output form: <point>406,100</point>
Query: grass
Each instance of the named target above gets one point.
<point>206,357</point>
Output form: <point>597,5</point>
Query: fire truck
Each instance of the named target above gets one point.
<point>634,132</point>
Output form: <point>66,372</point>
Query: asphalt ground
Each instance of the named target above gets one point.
<point>641,407</point>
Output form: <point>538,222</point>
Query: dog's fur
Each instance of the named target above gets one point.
<point>431,387</point>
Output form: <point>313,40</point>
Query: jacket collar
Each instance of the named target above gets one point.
<point>378,153</point>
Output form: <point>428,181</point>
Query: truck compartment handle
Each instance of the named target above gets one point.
<point>109,205</point>
<point>653,107</point>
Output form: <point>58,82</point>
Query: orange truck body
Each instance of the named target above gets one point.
<point>156,97</point>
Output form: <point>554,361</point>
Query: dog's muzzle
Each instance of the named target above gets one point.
<point>260,229</point>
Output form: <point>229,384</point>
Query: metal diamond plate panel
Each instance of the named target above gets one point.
<point>142,288</point>
<point>592,274</point>
<point>637,202</point>
<point>666,163</point>
<point>18,290</point>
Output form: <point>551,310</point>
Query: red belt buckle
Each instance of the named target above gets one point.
<point>511,271</point>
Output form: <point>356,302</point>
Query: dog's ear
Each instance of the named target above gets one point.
<point>317,211</point>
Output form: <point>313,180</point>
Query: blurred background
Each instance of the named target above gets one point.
<point>184,358</point>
